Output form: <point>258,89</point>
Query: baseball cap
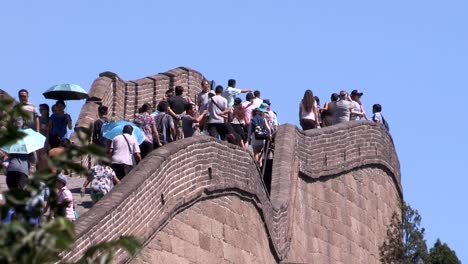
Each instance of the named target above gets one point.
<point>356,92</point>
<point>267,101</point>
<point>263,108</point>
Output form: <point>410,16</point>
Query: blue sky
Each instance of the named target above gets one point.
<point>409,56</point>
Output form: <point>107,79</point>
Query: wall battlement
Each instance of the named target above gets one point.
<point>200,200</point>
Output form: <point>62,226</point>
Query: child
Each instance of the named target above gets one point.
<point>378,117</point>
<point>65,197</point>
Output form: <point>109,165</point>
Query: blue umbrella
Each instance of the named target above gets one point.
<point>66,91</point>
<point>111,130</point>
<point>31,142</point>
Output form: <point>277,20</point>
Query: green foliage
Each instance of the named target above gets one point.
<point>442,254</point>
<point>22,242</point>
<point>405,241</point>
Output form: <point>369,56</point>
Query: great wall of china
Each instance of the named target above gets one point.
<point>200,200</point>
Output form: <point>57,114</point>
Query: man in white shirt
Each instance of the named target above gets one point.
<point>231,92</point>
<point>257,100</point>
<point>202,97</point>
<point>122,148</point>
<point>272,114</point>
<point>218,110</point>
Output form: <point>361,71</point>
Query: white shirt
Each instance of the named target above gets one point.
<point>257,102</point>
<point>215,111</point>
<point>120,151</point>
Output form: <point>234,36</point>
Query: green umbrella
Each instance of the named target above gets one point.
<point>66,91</point>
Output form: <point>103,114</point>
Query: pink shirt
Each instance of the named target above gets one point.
<point>65,196</point>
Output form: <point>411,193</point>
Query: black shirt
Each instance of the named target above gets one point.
<point>177,104</point>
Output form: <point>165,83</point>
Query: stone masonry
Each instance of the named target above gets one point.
<point>200,200</point>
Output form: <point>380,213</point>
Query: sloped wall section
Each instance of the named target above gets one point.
<point>200,200</point>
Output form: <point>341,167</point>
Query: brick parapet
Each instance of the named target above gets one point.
<point>169,180</point>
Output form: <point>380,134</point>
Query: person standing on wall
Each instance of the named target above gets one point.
<point>177,106</point>
<point>357,113</point>
<point>218,110</point>
<point>146,122</point>
<point>59,121</point>
<point>343,108</point>
<point>122,148</point>
<point>308,112</point>
<point>30,121</point>
<point>232,92</point>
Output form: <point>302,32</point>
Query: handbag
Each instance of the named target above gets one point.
<point>131,152</point>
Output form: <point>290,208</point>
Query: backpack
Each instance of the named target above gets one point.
<point>385,123</point>
<point>259,129</point>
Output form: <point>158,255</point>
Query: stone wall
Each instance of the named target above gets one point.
<point>336,213</point>
<point>227,229</point>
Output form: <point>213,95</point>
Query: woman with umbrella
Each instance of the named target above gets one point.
<point>17,171</point>
<point>18,152</point>
<point>59,121</point>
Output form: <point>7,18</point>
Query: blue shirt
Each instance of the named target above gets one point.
<point>59,125</point>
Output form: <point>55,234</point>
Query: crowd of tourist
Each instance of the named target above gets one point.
<point>341,108</point>
<point>220,113</point>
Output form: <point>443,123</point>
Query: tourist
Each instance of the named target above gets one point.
<point>260,131</point>
<point>343,108</point>
<point>165,124</point>
<point>238,122</point>
<point>58,147</point>
<point>32,121</point>
<point>202,97</point>
<point>102,179</point>
<point>65,198</point>
<point>190,121</point>
<point>59,121</point>
<point>146,122</point>
<point>249,107</point>
<point>378,117</point>
<point>257,101</point>
<point>218,111</point>
<point>17,172</point>
<point>44,119</point>
<point>232,92</point>
<point>124,149</point>
<point>177,106</point>
<point>328,111</point>
<point>273,117</point>
<point>357,112</point>
<point>44,130</point>
<point>308,112</point>
<point>97,136</point>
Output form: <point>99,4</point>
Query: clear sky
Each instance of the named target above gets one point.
<point>409,56</point>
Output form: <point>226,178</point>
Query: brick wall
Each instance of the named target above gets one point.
<point>226,229</point>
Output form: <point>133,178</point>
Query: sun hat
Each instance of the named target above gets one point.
<point>62,178</point>
<point>263,108</point>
